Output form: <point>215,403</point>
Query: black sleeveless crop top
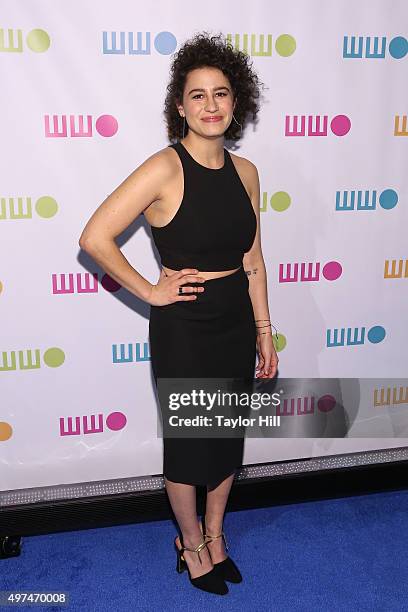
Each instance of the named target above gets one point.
<point>215,223</point>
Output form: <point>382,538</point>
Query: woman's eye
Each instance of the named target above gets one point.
<point>222,93</point>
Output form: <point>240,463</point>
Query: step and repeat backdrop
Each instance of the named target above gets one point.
<point>83,87</point>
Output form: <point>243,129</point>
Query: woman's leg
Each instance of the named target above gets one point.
<point>214,514</point>
<point>183,502</point>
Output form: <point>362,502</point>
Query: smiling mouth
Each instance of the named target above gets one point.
<point>211,119</point>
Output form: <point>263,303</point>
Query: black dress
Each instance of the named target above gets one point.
<point>214,335</point>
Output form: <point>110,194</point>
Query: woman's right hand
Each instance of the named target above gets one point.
<point>166,290</point>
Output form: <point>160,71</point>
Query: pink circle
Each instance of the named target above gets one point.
<point>326,403</point>
<point>106,125</point>
<point>116,421</point>
<point>332,270</point>
<point>340,125</point>
<point>109,283</point>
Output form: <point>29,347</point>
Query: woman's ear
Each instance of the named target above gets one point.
<point>180,109</point>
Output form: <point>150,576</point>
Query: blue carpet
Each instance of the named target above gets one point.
<point>339,555</point>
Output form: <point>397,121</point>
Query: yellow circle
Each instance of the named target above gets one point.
<point>285,45</point>
<point>279,343</point>
<point>54,357</point>
<point>280,201</point>
<point>38,40</point>
<point>6,431</point>
<point>1,286</point>
<point>46,207</point>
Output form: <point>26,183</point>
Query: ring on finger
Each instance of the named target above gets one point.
<point>180,290</point>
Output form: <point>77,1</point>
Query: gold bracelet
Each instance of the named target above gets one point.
<point>267,325</point>
<point>262,333</point>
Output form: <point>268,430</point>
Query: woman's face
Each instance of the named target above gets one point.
<point>207,94</point>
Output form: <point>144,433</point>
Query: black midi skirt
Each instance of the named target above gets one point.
<point>212,336</point>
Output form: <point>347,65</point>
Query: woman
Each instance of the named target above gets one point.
<point>209,312</point>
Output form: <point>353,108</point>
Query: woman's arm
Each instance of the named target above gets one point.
<point>254,267</point>
<point>116,213</point>
<point>253,260</point>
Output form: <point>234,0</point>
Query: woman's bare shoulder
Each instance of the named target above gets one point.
<point>248,173</point>
<point>164,160</point>
<point>243,162</point>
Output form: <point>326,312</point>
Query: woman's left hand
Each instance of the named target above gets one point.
<point>267,357</point>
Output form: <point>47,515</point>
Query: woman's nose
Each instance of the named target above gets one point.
<point>211,106</point>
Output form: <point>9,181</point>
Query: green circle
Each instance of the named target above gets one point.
<point>54,357</point>
<point>280,201</point>
<point>279,343</point>
<point>285,45</point>
<point>38,41</point>
<point>46,207</point>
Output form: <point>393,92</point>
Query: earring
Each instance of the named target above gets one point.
<point>184,124</point>
<point>238,124</point>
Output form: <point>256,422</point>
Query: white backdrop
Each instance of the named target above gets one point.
<point>77,406</point>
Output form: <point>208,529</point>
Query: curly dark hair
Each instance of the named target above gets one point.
<point>204,50</point>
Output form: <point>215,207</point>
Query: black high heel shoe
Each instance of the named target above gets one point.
<point>226,569</point>
<point>211,582</point>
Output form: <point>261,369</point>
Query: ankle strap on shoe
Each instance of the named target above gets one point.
<point>218,536</point>
<point>197,549</point>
